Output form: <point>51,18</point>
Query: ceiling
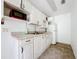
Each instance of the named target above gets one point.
<point>52,7</point>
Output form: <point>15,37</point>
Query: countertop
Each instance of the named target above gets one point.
<point>23,35</point>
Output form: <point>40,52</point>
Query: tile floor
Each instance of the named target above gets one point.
<point>58,51</point>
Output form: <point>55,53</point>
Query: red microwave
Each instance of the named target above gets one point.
<point>17,14</point>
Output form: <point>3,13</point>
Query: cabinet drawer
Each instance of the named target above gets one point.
<point>26,42</point>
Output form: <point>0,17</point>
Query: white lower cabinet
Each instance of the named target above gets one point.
<point>48,40</point>
<point>30,48</point>
<point>41,43</point>
<point>27,53</point>
<point>33,48</point>
<point>26,49</point>
<point>36,47</point>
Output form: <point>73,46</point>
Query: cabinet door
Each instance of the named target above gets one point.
<point>27,5</point>
<point>49,41</point>
<point>36,47</point>
<point>27,51</point>
<point>43,43</point>
<point>14,2</point>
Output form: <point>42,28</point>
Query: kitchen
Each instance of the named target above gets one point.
<point>27,32</point>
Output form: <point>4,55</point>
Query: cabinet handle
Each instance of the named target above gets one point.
<point>21,4</point>
<point>22,49</point>
<point>28,41</point>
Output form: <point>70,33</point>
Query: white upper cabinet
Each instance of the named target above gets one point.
<point>16,3</point>
<point>35,15</point>
<point>27,5</point>
<point>24,4</point>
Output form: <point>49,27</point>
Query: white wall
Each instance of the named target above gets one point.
<point>63,28</point>
<point>74,28</point>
